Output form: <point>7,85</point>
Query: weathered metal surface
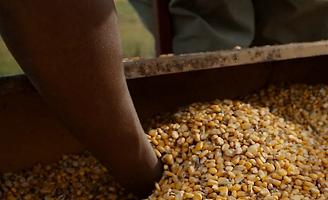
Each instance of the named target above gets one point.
<point>210,60</point>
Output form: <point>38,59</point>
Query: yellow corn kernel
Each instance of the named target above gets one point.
<point>276,176</point>
<point>313,176</point>
<point>235,160</point>
<point>241,194</point>
<point>269,198</point>
<point>298,182</point>
<point>168,158</point>
<point>308,184</point>
<point>287,179</point>
<point>248,165</point>
<point>213,170</point>
<point>282,172</point>
<point>212,182</point>
<point>158,153</point>
<point>188,195</point>
<point>223,191</point>
<point>284,195</point>
<point>193,179</point>
<point>199,146</point>
<point>257,189</point>
<point>191,170</point>
<point>270,167</point>
<point>223,181</point>
<point>264,192</point>
<point>315,190</point>
<point>197,196</point>
<point>255,138</point>
<point>276,182</point>
<point>203,154</point>
<point>280,157</point>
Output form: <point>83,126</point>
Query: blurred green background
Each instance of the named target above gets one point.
<point>140,43</point>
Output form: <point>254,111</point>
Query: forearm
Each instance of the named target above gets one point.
<point>71,52</point>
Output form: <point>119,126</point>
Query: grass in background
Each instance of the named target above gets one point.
<point>8,65</point>
<point>136,40</point>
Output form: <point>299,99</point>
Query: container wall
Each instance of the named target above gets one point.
<point>30,132</point>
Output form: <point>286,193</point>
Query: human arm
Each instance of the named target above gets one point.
<point>71,52</point>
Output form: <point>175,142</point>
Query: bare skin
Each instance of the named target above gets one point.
<point>71,52</point>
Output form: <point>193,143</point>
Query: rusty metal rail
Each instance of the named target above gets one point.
<point>218,59</point>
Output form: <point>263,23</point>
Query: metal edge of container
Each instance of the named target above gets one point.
<point>16,84</point>
<point>218,59</point>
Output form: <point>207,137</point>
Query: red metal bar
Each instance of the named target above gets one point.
<point>162,27</point>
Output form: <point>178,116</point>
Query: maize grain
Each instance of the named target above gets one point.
<point>261,146</point>
<point>273,145</point>
<point>73,177</point>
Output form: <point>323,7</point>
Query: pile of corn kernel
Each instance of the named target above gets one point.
<point>74,177</point>
<point>274,146</point>
<point>271,145</point>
